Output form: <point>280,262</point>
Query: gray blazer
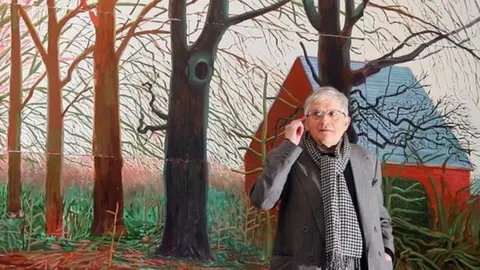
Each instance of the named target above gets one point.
<point>290,175</point>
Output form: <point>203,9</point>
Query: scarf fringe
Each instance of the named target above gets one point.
<point>338,261</point>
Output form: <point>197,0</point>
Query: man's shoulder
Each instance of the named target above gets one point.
<point>363,151</point>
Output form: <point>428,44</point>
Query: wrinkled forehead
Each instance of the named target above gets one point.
<point>325,104</point>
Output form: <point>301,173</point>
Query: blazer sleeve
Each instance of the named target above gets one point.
<point>385,220</point>
<point>269,186</point>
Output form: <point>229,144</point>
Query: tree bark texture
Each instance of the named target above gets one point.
<point>14,184</point>
<point>108,161</point>
<point>54,155</point>
<point>186,168</point>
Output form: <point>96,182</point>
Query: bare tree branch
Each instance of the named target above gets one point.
<point>312,14</point>
<point>414,122</point>
<point>75,63</point>
<point>32,89</point>
<point>374,66</point>
<point>397,10</point>
<point>157,112</point>
<point>33,33</point>
<point>72,13</point>
<point>142,127</point>
<point>77,98</point>
<point>134,26</point>
<point>217,12</point>
<point>255,13</point>
<point>352,15</point>
<point>312,69</point>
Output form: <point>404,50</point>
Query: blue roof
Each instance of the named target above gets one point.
<point>431,145</point>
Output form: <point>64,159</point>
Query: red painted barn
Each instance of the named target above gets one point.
<point>402,113</point>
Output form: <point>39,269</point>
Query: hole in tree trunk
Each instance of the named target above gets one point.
<point>201,70</point>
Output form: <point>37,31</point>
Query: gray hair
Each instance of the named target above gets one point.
<point>324,92</point>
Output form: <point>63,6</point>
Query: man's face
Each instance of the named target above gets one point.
<point>327,121</point>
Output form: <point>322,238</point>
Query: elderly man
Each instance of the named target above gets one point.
<point>331,215</point>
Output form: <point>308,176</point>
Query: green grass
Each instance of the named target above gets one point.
<point>406,199</point>
<point>143,216</point>
<point>232,239</point>
<point>451,241</point>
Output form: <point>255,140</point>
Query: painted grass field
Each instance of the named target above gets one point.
<point>236,231</point>
<point>23,242</point>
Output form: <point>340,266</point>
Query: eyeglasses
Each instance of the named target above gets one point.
<point>331,114</point>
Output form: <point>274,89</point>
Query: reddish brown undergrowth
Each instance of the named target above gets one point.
<point>137,172</point>
<point>80,259</point>
<point>84,259</point>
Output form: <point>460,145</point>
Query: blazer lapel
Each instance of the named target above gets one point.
<point>362,178</point>
<point>308,175</point>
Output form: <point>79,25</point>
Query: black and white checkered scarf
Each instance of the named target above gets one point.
<point>343,235</point>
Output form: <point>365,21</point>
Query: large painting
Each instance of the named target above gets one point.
<point>131,132</point>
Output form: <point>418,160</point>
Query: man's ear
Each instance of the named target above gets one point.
<point>347,121</point>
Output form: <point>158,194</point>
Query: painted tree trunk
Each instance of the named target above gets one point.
<point>54,155</point>
<point>334,54</point>
<point>334,70</point>
<point>14,189</point>
<point>333,67</point>
<point>186,170</point>
<point>108,162</point>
